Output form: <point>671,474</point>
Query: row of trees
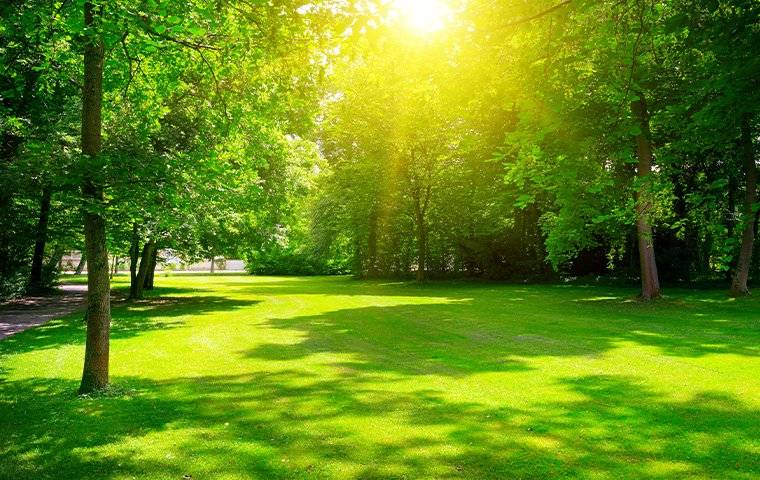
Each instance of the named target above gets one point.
<point>528,138</point>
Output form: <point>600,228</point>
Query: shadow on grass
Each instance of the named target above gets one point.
<point>553,319</point>
<point>344,285</point>
<point>290,424</point>
<point>367,422</point>
<point>129,319</point>
<point>490,334</point>
<point>559,319</point>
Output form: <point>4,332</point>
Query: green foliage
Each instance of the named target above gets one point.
<point>332,136</point>
<point>543,139</point>
<point>200,100</point>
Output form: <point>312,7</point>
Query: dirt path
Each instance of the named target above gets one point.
<point>27,312</point>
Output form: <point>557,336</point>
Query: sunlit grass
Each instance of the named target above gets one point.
<point>233,377</point>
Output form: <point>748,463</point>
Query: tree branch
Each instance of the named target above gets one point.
<point>144,22</point>
<point>216,83</point>
<point>538,15</point>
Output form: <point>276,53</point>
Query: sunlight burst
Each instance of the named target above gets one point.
<point>423,16</point>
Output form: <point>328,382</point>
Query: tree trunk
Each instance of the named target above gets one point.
<point>650,282</point>
<point>358,259</point>
<point>731,222</point>
<point>134,254</point>
<point>372,245</point>
<point>151,270</point>
<point>54,263</point>
<point>212,264</point>
<point>145,261</point>
<point>95,371</point>
<point>82,262</point>
<point>422,245</point>
<point>756,258</point>
<point>35,280</point>
<point>739,284</point>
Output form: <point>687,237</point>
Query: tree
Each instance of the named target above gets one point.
<point>96,357</point>
<point>739,282</point>
<point>650,280</point>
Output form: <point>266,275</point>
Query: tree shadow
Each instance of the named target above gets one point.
<point>366,415</point>
<point>486,333</point>
<point>619,421</point>
<point>128,319</point>
<point>344,285</point>
<point>686,323</point>
<point>292,424</point>
<point>410,339</point>
<point>689,323</point>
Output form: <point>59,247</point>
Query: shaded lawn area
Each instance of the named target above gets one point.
<point>236,377</point>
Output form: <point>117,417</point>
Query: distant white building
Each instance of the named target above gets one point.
<point>168,262</point>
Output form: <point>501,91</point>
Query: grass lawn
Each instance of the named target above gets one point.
<point>236,377</point>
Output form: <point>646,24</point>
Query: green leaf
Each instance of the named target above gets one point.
<point>523,201</point>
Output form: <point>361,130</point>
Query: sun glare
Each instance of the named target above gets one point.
<point>423,16</point>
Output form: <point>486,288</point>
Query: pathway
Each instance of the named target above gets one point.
<point>27,312</point>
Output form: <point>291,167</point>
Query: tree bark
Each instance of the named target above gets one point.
<point>82,262</point>
<point>650,281</point>
<point>151,270</point>
<point>145,261</point>
<point>95,371</point>
<point>731,222</point>
<point>35,280</point>
<point>212,264</point>
<point>372,245</point>
<point>422,243</point>
<point>134,254</point>
<point>739,284</point>
<point>755,268</point>
<point>55,261</point>
<point>422,254</point>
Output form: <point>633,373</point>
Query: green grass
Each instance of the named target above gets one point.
<point>236,377</point>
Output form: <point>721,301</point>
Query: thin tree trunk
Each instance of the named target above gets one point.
<point>35,280</point>
<point>358,260</point>
<point>731,222</point>
<point>422,245</point>
<point>134,254</point>
<point>372,245</point>
<point>145,261</point>
<point>82,262</point>
<point>739,284</point>
<point>755,268</point>
<point>95,371</point>
<point>212,264</point>
<point>54,264</point>
<point>705,252</point>
<point>650,282</point>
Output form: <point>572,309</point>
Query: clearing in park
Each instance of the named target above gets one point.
<point>237,377</point>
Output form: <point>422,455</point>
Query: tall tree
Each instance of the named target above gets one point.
<point>95,372</point>
<point>739,282</point>
<point>36,277</point>
<point>650,280</point>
